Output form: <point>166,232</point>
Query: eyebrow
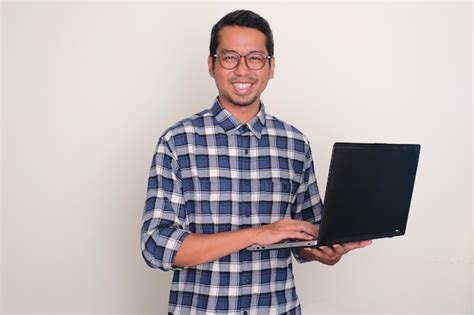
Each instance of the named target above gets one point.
<point>231,50</point>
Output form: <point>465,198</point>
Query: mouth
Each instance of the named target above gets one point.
<point>242,88</point>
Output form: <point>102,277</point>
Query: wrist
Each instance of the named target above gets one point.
<point>304,254</point>
<point>253,235</point>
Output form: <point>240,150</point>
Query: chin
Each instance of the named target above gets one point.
<point>243,102</point>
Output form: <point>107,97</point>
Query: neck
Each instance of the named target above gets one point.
<point>242,113</point>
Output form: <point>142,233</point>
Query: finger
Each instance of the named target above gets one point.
<point>293,235</point>
<point>326,255</point>
<point>306,227</point>
<point>339,249</point>
<point>299,236</point>
<point>315,252</point>
<point>365,243</point>
<point>327,250</point>
<point>350,246</point>
<point>313,229</point>
<point>309,249</point>
<point>355,245</point>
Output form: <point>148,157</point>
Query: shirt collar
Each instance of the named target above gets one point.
<point>231,124</point>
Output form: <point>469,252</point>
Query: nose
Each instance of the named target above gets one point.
<point>242,68</point>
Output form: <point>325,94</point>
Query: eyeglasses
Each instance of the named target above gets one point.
<point>230,60</point>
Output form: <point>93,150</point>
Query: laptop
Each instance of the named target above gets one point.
<point>368,194</point>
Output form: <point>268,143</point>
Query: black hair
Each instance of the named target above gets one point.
<point>244,18</point>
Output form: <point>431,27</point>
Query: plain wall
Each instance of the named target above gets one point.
<point>87,89</point>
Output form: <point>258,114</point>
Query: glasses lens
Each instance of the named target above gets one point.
<point>229,60</point>
<point>255,60</point>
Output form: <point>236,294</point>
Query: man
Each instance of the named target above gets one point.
<point>230,177</point>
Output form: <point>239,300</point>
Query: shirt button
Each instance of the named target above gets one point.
<point>245,313</point>
<point>246,151</point>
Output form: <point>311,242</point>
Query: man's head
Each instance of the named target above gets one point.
<point>243,18</point>
<point>241,80</point>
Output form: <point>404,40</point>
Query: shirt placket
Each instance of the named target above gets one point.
<point>245,196</point>
<point>245,215</point>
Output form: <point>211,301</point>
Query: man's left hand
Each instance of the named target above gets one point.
<point>330,255</point>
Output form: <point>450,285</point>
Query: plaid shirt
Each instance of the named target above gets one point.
<point>209,174</point>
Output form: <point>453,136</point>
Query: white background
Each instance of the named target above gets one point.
<point>87,89</point>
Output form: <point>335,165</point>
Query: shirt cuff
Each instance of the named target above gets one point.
<point>169,243</point>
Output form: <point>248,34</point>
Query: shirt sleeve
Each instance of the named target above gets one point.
<point>307,205</point>
<point>164,216</point>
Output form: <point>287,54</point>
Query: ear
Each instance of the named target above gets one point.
<point>272,68</point>
<point>210,65</point>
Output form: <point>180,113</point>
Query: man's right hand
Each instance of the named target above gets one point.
<point>285,229</point>
<point>202,248</point>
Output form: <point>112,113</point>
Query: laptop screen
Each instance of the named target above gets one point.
<point>369,191</point>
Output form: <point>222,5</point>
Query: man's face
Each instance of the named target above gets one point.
<point>240,86</point>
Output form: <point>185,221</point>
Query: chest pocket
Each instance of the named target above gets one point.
<point>208,206</point>
<point>275,200</point>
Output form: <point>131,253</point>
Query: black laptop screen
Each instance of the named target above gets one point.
<point>369,191</point>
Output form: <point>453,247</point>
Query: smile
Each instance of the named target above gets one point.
<point>241,87</point>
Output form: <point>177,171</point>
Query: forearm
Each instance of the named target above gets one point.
<point>202,248</point>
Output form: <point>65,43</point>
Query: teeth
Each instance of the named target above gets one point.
<point>242,85</point>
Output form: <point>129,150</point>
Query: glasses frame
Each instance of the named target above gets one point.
<point>267,57</point>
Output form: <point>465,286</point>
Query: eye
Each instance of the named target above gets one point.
<point>256,58</point>
<point>230,58</point>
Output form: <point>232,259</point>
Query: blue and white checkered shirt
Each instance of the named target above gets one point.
<point>209,174</point>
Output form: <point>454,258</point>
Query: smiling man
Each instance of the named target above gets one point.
<point>229,177</point>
